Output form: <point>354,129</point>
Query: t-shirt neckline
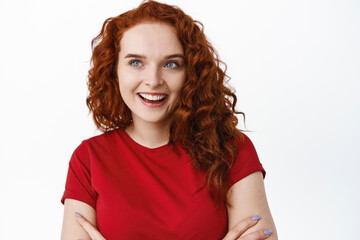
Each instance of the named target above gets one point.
<point>138,145</point>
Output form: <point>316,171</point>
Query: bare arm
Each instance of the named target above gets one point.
<point>248,198</point>
<point>71,229</point>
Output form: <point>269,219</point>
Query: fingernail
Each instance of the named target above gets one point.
<point>78,215</point>
<point>268,232</point>
<point>255,218</point>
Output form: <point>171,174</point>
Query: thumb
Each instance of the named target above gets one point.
<point>89,228</point>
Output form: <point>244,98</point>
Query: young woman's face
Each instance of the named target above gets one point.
<point>151,71</point>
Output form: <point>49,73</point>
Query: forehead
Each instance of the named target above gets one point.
<point>151,38</point>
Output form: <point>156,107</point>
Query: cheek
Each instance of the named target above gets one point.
<point>177,84</point>
<point>127,82</point>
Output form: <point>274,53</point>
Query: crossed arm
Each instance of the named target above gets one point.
<point>71,228</point>
<point>247,198</point>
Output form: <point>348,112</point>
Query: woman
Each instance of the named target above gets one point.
<point>171,163</point>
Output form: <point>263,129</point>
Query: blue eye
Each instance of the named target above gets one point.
<point>171,65</point>
<point>135,63</point>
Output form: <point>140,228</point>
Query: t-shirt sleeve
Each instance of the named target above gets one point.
<point>78,184</point>
<point>246,162</point>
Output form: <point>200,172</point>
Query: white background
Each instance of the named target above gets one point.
<point>294,64</point>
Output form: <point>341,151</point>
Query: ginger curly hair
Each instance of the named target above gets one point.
<point>204,123</point>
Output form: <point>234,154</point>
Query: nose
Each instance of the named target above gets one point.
<point>153,77</point>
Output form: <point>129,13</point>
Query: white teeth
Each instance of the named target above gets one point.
<point>152,97</point>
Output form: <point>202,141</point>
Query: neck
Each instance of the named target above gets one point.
<point>148,134</point>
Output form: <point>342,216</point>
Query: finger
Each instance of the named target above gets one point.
<point>258,235</point>
<point>241,227</point>
<point>89,228</point>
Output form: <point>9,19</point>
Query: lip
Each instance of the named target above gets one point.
<point>153,93</point>
<point>153,105</point>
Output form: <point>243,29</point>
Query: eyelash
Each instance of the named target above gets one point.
<point>131,63</point>
<point>173,62</point>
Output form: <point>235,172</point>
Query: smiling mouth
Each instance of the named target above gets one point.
<point>149,98</point>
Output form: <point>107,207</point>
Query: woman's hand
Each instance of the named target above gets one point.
<point>89,228</point>
<point>234,233</point>
<point>237,231</point>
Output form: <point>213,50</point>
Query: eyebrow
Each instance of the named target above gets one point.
<point>131,55</point>
<point>175,56</point>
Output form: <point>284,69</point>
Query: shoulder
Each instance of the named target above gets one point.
<point>103,137</point>
<point>101,143</point>
<point>245,145</point>
<point>246,160</point>
<point>102,140</point>
<point>245,148</point>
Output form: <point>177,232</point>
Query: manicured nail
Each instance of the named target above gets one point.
<point>268,232</point>
<point>255,218</point>
<point>78,215</point>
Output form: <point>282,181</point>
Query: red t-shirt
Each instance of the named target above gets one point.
<point>143,193</point>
